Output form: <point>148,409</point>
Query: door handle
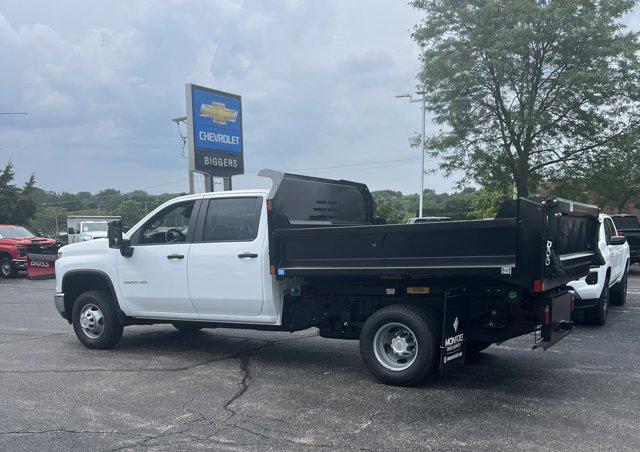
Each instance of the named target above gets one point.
<point>175,256</point>
<point>251,255</point>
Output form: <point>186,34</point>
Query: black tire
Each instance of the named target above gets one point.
<point>598,314</point>
<point>619,290</point>
<point>187,327</point>
<point>111,327</point>
<point>6,268</point>
<point>424,327</point>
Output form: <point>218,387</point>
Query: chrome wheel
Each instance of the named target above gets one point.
<point>92,321</point>
<point>395,346</point>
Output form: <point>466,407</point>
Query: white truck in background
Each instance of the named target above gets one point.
<point>606,284</point>
<point>82,228</point>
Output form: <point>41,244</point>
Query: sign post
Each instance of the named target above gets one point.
<point>214,134</point>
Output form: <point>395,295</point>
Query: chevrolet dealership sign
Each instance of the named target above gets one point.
<point>214,120</point>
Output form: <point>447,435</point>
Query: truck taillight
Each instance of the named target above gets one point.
<point>537,286</point>
<point>620,233</point>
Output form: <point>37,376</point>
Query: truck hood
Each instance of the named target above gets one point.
<point>90,246</point>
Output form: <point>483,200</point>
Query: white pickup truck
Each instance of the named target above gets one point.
<point>605,284</point>
<point>82,228</point>
<point>305,252</point>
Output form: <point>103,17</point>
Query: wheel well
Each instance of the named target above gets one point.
<point>78,282</point>
<point>5,254</point>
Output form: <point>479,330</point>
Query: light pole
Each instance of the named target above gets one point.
<point>423,100</point>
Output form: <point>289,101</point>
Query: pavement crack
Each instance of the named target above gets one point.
<point>244,369</point>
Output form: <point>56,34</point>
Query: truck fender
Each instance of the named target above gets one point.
<point>83,280</point>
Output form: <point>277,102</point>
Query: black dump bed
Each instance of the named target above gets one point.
<point>327,227</point>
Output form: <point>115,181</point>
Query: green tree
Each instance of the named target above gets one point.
<point>44,221</point>
<point>523,86</point>
<point>388,210</point>
<point>131,212</point>
<point>16,203</point>
<point>609,178</point>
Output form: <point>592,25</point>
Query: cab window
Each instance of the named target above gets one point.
<point>171,225</point>
<point>609,229</point>
<point>232,220</point>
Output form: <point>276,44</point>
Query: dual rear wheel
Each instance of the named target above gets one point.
<point>400,344</point>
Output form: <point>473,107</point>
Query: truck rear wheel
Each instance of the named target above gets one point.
<point>95,321</point>
<point>399,345</point>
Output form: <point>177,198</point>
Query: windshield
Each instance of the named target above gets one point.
<point>14,232</point>
<point>100,226</point>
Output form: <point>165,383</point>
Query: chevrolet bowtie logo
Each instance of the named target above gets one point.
<point>218,113</point>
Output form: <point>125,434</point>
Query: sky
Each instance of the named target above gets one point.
<point>102,80</point>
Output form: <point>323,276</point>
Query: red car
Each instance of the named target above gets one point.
<point>14,241</point>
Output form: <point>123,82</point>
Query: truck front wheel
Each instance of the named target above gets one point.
<point>95,321</point>
<point>618,292</point>
<point>399,345</point>
<point>597,315</point>
<point>6,268</point>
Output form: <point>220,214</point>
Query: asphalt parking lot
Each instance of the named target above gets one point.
<point>238,389</point>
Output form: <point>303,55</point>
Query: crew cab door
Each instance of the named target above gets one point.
<point>228,257</point>
<point>153,281</point>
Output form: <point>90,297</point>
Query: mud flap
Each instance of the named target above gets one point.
<point>453,347</point>
<point>557,322</point>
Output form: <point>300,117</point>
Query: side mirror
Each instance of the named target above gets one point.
<point>71,231</point>
<point>618,240</point>
<point>114,235</point>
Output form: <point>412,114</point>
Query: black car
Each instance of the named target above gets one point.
<point>629,226</point>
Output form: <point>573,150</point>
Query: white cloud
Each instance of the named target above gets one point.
<point>101,82</point>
